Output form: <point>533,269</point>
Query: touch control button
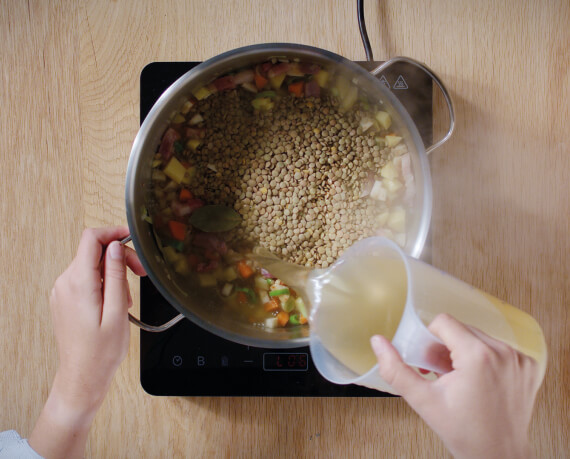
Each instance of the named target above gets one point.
<point>176,360</point>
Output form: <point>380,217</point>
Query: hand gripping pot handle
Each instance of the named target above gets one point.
<point>146,327</point>
<point>441,86</point>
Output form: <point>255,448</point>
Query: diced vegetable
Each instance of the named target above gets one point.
<point>366,123</point>
<point>202,93</point>
<point>178,119</point>
<point>177,229</point>
<point>322,78</point>
<point>261,283</point>
<point>242,298</point>
<point>186,107</point>
<point>196,119</point>
<point>263,296</point>
<point>262,103</point>
<point>289,305</point>
<point>207,280</point>
<point>378,192</point>
<point>244,269</point>
<point>279,292</point>
<point>389,171</point>
<point>251,297</point>
<point>271,322</point>
<point>295,319</point>
<point>384,119</point>
<point>260,81</point>
<point>181,267</point>
<point>349,100</point>
<point>300,306</point>
<point>229,274</point>
<point>272,305</point>
<point>397,219</point>
<point>193,144</point>
<point>296,88</point>
<point>392,185</point>
<point>282,318</point>
<point>277,81</point>
<point>392,140</point>
<point>227,289</point>
<point>185,195</point>
<point>175,170</point>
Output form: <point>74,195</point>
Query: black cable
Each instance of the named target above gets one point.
<point>362,27</point>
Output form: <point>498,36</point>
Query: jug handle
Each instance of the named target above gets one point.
<point>437,80</point>
<point>146,327</point>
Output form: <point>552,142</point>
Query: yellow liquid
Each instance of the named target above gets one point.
<point>362,297</point>
<point>366,295</point>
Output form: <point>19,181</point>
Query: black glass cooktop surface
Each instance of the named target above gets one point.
<point>186,360</point>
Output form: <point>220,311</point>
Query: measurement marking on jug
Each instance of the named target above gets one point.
<point>400,83</point>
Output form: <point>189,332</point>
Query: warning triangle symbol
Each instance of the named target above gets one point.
<point>384,81</point>
<point>400,83</point>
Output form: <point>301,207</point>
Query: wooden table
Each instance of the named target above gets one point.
<point>69,112</point>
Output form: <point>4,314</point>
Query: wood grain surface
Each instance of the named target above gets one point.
<point>69,82</point>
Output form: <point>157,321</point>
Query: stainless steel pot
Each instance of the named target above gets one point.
<point>193,303</point>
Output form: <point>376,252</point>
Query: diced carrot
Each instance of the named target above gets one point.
<point>242,298</point>
<point>260,81</point>
<point>185,195</point>
<point>272,305</point>
<point>177,229</point>
<point>303,320</point>
<point>282,318</point>
<point>296,88</point>
<point>186,164</point>
<point>244,269</point>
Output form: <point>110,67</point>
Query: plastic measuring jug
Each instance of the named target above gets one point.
<point>374,288</point>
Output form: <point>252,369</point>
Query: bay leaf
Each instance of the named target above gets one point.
<point>215,218</point>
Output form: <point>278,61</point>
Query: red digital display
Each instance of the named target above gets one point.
<point>277,361</point>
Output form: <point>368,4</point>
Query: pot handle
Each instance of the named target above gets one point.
<point>146,327</point>
<point>435,78</point>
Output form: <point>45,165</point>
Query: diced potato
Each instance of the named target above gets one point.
<point>263,297</point>
<point>397,219</point>
<point>249,87</point>
<point>389,171</point>
<point>277,80</point>
<point>227,289</point>
<point>380,141</point>
<point>262,103</point>
<point>189,175</point>
<point>186,107</point>
<point>207,280</point>
<point>366,123</point>
<point>181,266</point>
<point>342,86</point>
<point>202,93</point>
<point>229,274</point>
<point>378,192</point>
<point>348,101</point>
<point>384,119</point>
<point>196,119</point>
<point>178,119</point>
<point>392,140</point>
<point>382,218</point>
<point>156,163</point>
<point>272,322</point>
<point>322,78</point>
<point>392,185</point>
<point>170,254</point>
<point>175,170</point>
<point>193,144</point>
<point>261,283</point>
<point>294,70</point>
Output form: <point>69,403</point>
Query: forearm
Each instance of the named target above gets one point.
<point>62,428</point>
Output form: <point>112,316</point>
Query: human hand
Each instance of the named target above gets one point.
<point>89,304</point>
<point>483,406</point>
